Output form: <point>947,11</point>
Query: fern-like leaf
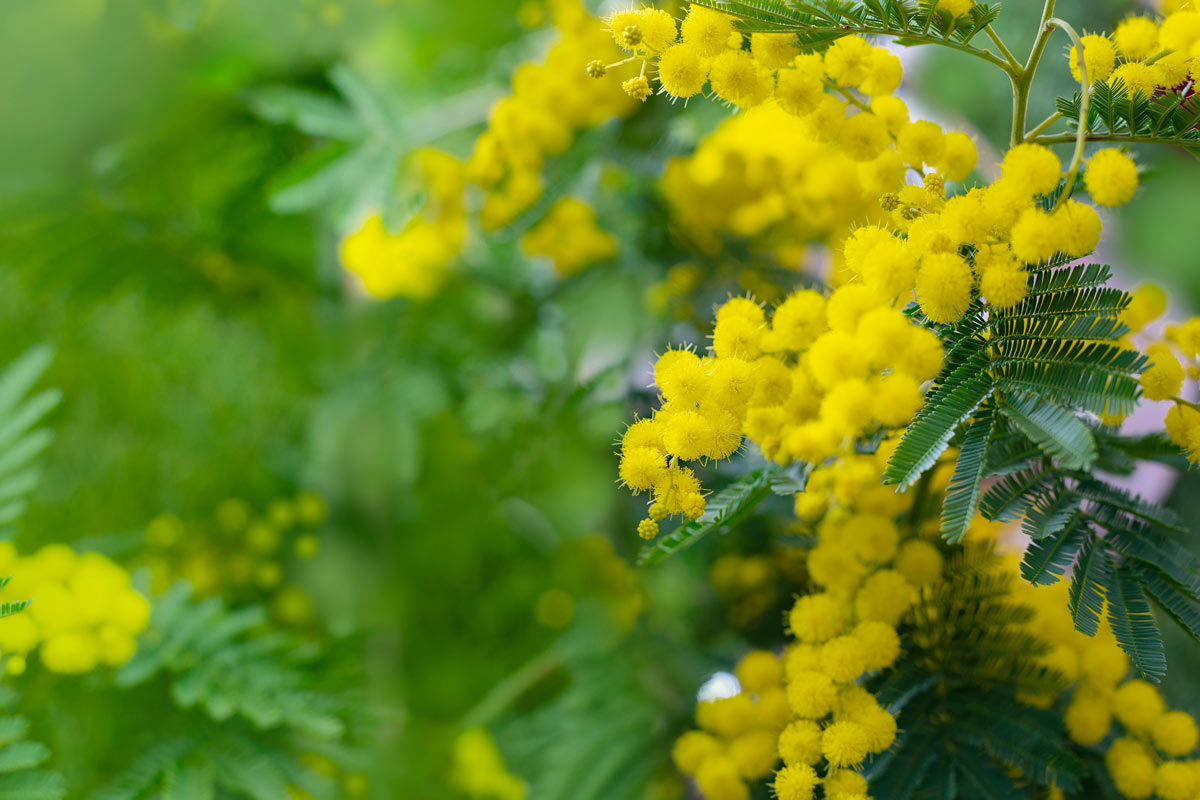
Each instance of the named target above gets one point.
<point>722,510</point>
<point>214,664</point>
<point>1133,624</point>
<point>1060,434</point>
<point>962,494</point>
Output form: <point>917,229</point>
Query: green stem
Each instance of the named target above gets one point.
<point>850,98</point>
<point>1003,48</point>
<point>1188,403</point>
<point>911,36</point>
<point>1046,123</point>
<point>1124,138</point>
<point>1023,78</point>
<point>1085,100</point>
<point>510,689</point>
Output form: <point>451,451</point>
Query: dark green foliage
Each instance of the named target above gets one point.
<point>225,662</point>
<point>20,778</point>
<point>962,495</point>
<point>818,23</point>
<point>215,761</point>
<point>962,729</point>
<point>1040,365</point>
<point>606,734</point>
<point>1117,115</point>
<point>1121,546</point>
<point>1038,361</point>
<point>21,441</point>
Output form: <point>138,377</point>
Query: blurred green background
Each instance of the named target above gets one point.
<point>159,227</point>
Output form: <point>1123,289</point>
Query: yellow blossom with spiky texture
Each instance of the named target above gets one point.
<point>551,101</point>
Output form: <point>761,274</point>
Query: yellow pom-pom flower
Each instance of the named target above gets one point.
<point>844,658</point>
<point>706,30</point>
<point>955,8</point>
<point>944,287</point>
<point>758,671</point>
<point>800,743</point>
<point>692,749</point>
<point>774,50</point>
<point>1137,705</point>
<point>1098,57</point>
<point>1175,733</point>
<point>816,618</point>
<point>811,694</point>
<point>880,641</point>
<point>1136,38</point>
<point>884,596</point>
<point>1163,379</point>
<point>844,743</point>
<point>958,156</point>
<point>1131,768</point>
<point>738,79</point>
<point>1111,177</point>
<point>682,70</point>
<point>921,142</point>
<point>1088,721</point>
<point>795,782</point>
<point>1005,286</point>
<point>1034,168</point>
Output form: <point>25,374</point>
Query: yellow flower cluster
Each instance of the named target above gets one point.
<point>823,140</point>
<point>479,769</point>
<point>549,103</point>
<point>239,555</point>
<point>83,613</point>
<point>761,176</point>
<point>1155,752</point>
<point>569,237</point>
<point>803,385</point>
<point>416,261</point>
<point>1145,55</point>
<point>738,735</point>
<point>864,575</point>
<point>979,243</point>
<point>1174,355</point>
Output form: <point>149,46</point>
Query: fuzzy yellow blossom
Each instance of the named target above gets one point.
<point>958,156</point>
<point>1164,378</point>
<point>1032,167</point>
<point>682,70</point>
<point>706,29</point>
<point>1099,57</point>
<point>944,285</point>
<point>921,142</point>
<point>1131,768</point>
<point>1005,286</point>
<point>1175,733</point>
<point>738,79</point>
<point>1136,38</point>
<point>1137,78</point>
<point>1111,177</point>
<point>795,782</point>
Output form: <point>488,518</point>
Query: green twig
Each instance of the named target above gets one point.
<point>1085,99</point>
<point>511,688</point>
<point>1022,79</point>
